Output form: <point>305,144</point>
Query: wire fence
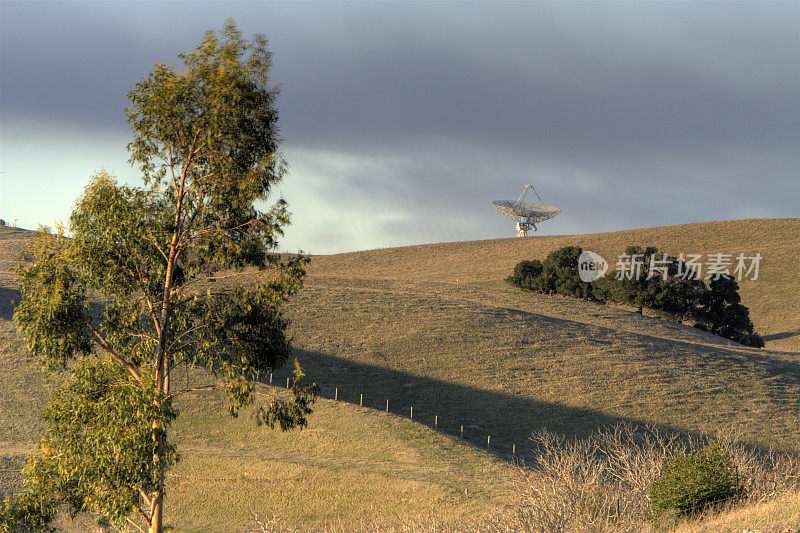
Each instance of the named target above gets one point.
<point>467,431</point>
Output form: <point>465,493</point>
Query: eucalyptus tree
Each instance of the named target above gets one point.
<point>186,272</point>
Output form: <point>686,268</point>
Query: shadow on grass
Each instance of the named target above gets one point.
<point>783,335</point>
<point>9,298</point>
<point>508,419</point>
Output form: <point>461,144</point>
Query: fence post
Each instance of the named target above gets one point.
<point>336,394</point>
<point>361,400</point>
<point>287,383</point>
<point>436,421</point>
<point>462,432</point>
<point>513,449</point>
<point>270,378</point>
<point>387,405</point>
<point>412,412</point>
<point>488,440</point>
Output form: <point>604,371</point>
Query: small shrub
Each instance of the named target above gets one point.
<point>689,483</point>
<point>525,271</point>
<point>558,273</point>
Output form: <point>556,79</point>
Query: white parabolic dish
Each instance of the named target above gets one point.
<point>526,214</point>
<point>533,212</point>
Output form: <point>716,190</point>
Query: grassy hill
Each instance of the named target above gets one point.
<point>510,371</point>
<point>435,328</point>
<point>772,298</point>
<point>324,476</point>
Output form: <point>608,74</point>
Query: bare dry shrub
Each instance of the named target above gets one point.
<point>268,523</point>
<point>765,473</point>
<point>600,483</point>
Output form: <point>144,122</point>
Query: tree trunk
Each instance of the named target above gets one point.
<point>157,512</point>
<point>162,359</point>
<point>156,525</point>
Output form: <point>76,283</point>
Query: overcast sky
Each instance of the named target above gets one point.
<point>403,121</point>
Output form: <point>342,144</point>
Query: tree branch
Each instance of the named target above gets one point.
<point>101,341</point>
<point>134,524</point>
<point>182,335</point>
<point>172,168</point>
<point>147,500</point>
<point>184,240</point>
<point>162,363</point>
<point>138,278</point>
<point>154,242</point>
<point>213,230</point>
<point>143,336</point>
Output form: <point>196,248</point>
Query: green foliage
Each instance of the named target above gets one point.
<point>53,312</point>
<point>28,512</point>
<point>558,273</point>
<point>723,314</point>
<point>206,140</point>
<point>526,273</point>
<point>117,232</point>
<point>690,483</point>
<point>216,122</point>
<point>286,414</point>
<point>673,294</point>
<point>716,308</point>
<point>106,441</point>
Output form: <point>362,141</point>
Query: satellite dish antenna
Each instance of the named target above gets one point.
<point>526,214</point>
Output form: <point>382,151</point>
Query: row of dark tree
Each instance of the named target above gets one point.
<point>715,307</point>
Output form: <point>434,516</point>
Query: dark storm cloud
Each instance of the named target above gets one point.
<point>535,76</point>
<point>59,63</point>
<point>623,114</point>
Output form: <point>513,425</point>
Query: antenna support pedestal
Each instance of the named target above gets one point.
<point>526,214</point>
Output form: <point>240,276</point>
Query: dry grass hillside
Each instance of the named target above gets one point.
<point>504,371</point>
<point>436,328</point>
<point>348,468</point>
<point>772,298</point>
<point>323,476</point>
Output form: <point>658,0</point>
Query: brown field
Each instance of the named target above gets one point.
<point>772,298</point>
<point>349,467</point>
<point>435,327</point>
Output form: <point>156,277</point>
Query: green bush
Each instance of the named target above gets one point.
<point>525,271</point>
<point>558,273</point>
<point>715,307</point>
<point>690,483</point>
<point>26,513</point>
<point>723,314</point>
